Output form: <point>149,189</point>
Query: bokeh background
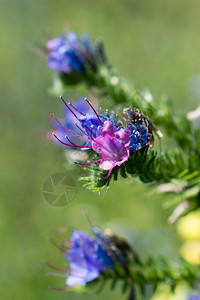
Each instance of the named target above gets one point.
<point>154,43</point>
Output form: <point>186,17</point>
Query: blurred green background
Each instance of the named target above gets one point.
<point>154,43</point>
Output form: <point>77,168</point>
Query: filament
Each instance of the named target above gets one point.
<point>68,107</point>
<point>94,111</point>
<point>57,274</point>
<point>82,130</point>
<point>127,122</point>
<point>61,248</point>
<point>91,162</point>
<point>68,129</point>
<point>74,145</point>
<point>76,109</point>
<point>69,144</point>
<point>113,165</point>
<point>64,270</point>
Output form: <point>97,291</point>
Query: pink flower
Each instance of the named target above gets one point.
<point>112,145</point>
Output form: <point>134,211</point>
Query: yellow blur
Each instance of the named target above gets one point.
<point>189,226</point>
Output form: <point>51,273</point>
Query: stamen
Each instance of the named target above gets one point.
<point>113,165</point>
<point>81,130</point>
<point>89,129</point>
<point>127,126</point>
<point>57,274</point>
<point>61,237</point>
<point>76,109</point>
<point>68,107</point>
<point>64,270</point>
<point>91,133</point>
<point>70,141</point>
<point>91,162</point>
<point>60,247</point>
<point>41,52</point>
<point>94,111</point>
<point>53,116</point>
<point>43,48</point>
<point>74,145</point>
<point>83,146</point>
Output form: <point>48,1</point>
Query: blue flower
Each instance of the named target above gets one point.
<point>91,256</point>
<point>140,129</point>
<point>139,137</point>
<point>70,54</point>
<point>88,258</point>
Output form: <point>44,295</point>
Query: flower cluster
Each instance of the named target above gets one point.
<point>69,54</point>
<point>89,257</point>
<point>102,133</point>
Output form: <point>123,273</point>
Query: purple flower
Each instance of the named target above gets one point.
<point>88,258</point>
<point>98,133</point>
<point>70,54</point>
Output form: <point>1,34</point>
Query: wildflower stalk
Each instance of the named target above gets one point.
<point>182,163</point>
<point>114,148</point>
<point>79,60</point>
